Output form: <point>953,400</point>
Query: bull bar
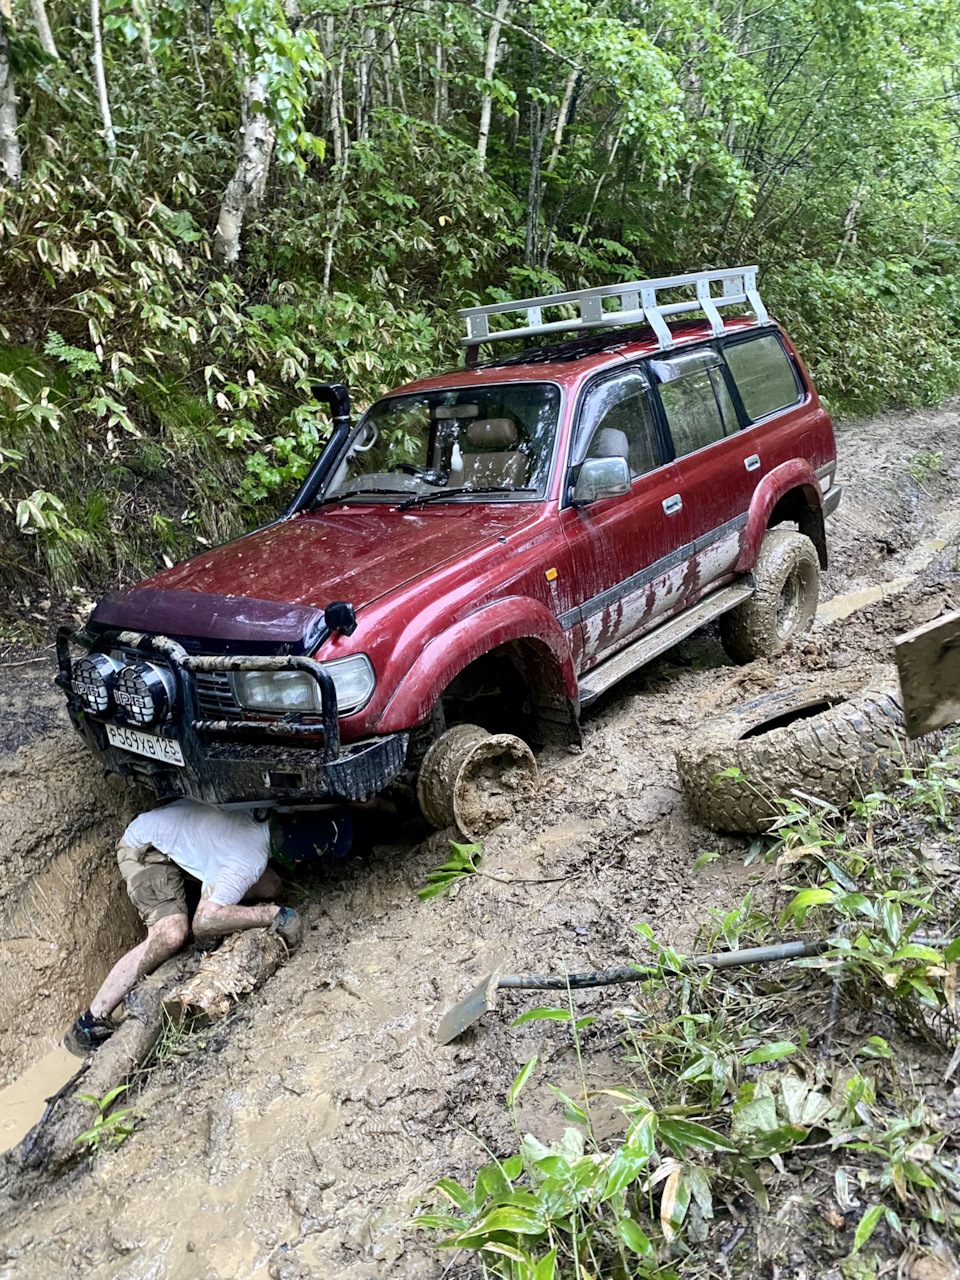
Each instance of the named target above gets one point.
<point>235,760</point>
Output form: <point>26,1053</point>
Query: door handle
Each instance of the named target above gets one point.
<point>752,462</point>
<point>672,504</point>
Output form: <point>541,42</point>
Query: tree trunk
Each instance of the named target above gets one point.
<point>9,146</point>
<point>42,23</point>
<point>245,189</point>
<point>568,91</point>
<point>850,222</point>
<point>109,138</point>
<point>439,82</point>
<point>538,133</point>
<point>51,1145</point>
<point>489,67</point>
<point>241,964</point>
<point>142,17</point>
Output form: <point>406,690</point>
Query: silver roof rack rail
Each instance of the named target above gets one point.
<point>638,304</point>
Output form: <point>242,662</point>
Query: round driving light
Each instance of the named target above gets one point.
<point>93,680</point>
<point>144,693</point>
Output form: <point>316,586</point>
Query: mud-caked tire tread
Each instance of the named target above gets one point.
<point>750,630</point>
<point>856,746</point>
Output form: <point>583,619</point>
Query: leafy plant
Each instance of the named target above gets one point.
<point>445,880</point>
<point>109,1128</point>
<point>924,466</point>
<point>571,1207</point>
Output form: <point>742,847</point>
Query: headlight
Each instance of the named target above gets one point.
<point>285,691</point>
<point>144,692</point>
<point>354,681</point>
<point>93,679</point>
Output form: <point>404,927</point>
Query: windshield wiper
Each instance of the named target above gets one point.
<point>450,493</point>
<point>355,493</point>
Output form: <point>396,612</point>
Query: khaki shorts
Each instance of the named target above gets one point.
<point>154,883</point>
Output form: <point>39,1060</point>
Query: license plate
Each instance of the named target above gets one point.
<point>145,744</point>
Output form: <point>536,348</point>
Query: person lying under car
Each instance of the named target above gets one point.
<point>227,850</point>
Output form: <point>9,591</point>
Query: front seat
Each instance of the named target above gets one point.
<point>608,442</point>
<point>501,462</point>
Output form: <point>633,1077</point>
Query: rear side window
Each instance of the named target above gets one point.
<point>697,405</point>
<point>617,421</point>
<point>763,374</point>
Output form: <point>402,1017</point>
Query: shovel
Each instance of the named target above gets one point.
<point>483,998</point>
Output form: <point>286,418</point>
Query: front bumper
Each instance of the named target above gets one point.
<point>267,761</point>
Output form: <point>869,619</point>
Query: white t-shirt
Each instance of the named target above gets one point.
<point>225,849</point>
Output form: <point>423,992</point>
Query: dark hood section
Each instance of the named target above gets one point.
<point>224,624</point>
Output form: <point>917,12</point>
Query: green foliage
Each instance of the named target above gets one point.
<point>816,137</point>
<point>109,1128</point>
<point>77,360</point>
<point>445,880</point>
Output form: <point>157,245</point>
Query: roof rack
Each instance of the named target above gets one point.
<point>638,304</point>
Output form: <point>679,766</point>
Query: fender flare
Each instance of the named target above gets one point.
<point>795,474</point>
<point>518,618</point>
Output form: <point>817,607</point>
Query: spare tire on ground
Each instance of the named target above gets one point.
<point>833,741</point>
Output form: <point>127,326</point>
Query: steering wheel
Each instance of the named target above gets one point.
<point>409,468</point>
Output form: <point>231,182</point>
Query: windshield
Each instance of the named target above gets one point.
<point>494,443</point>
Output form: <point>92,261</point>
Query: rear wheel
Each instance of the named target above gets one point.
<point>784,604</point>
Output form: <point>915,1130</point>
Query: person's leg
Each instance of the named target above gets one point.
<point>155,887</point>
<point>164,939</point>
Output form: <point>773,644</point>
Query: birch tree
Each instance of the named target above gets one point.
<point>246,188</point>
<point>109,137</point>
<point>9,144</point>
<point>489,67</point>
<point>42,23</point>
<point>278,67</point>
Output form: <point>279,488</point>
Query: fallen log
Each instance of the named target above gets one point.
<point>239,966</point>
<point>51,1145</point>
<point>185,985</point>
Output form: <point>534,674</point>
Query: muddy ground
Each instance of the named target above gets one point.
<point>292,1140</point>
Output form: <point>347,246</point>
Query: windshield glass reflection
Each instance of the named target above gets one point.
<point>494,442</point>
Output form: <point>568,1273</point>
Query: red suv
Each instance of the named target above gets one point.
<point>497,545</point>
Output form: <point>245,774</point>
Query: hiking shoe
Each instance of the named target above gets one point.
<point>289,924</point>
<point>88,1033</point>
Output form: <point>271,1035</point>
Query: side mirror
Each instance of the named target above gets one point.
<point>601,478</point>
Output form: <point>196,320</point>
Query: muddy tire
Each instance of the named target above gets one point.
<point>472,779</point>
<point>832,741</point>
<point>783,606</point>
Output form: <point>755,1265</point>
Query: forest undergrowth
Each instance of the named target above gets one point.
<point>206,210</point>
<point>798,1115</point>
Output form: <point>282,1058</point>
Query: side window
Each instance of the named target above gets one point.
<point>616,421</point>
<point>697,405</point>
<point>763,374</point>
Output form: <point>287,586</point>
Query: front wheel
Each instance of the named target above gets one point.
<point>784,604</point>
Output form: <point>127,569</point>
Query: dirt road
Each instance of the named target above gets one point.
<point>292,1141</point>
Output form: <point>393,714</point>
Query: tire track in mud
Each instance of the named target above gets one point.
<point>294,1143</point>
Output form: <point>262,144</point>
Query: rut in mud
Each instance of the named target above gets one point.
<point>294,1141</point>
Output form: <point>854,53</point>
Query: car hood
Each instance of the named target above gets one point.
<point>352,554</point>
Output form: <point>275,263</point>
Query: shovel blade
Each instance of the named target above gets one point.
<point>471,1009</point>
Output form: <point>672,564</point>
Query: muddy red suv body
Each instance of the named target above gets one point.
<point>502,540</point>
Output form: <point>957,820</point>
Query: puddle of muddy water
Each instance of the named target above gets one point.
<point>843,605</point>
<point>23,1102</point>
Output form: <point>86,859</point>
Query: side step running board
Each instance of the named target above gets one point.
<point>636,655</point>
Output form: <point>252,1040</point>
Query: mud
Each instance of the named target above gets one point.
<point>59,888</point>
<point>293,1140</point>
